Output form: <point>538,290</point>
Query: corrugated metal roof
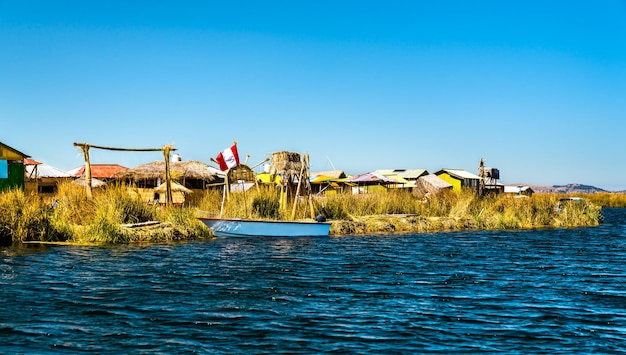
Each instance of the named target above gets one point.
<point>516,189</point>
<point>100,171</point>
<point>42,170</point>
<point>401,182</point>
<point>337,174</point>
<point>370,178</point>
<point>409,174</point>
<point>462,174</point>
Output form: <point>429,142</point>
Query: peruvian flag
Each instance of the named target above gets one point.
<point>228,158</point>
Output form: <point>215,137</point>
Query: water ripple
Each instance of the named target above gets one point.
<point>546,291</point>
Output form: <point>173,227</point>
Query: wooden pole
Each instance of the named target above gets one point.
<point>256,182</point>
<point>308,186</point>
<point>264,160</point>
<point>85,148</point>
<point>295,200</point>
<point>168,182</point>
<point>283,198</point>
<point>227,180</point>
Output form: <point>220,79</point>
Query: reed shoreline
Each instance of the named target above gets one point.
<point>117,216</point>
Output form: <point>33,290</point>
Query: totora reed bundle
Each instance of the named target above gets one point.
<point>289,166</point>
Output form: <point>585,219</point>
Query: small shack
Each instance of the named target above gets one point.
<point>410,175</point>
<point>369,182</point>
<point>192,175</point>
<point>328,182</point>
<point>460,179</point>
<point>42,178</point>
<point>11,168</point>
<point>518,190</point>
<point>241,178</point>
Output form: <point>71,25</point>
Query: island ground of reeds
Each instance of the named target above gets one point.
<point>71,217</point>
<point>401,211</point>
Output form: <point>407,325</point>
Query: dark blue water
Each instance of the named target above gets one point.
<point>544,291</point>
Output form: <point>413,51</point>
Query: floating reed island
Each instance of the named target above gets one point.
<point>118,214</point>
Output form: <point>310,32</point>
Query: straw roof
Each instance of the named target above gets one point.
<point>83,182</point>
<point>190,169</point>
<point>176,187</point>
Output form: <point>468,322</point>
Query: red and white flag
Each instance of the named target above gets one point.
<point>228,158</point>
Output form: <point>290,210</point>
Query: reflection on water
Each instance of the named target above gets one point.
<point>544,291</point>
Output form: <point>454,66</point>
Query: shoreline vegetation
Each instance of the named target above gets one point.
<point>117,215</point>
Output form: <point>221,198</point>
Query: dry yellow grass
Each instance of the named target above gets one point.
<point>74,218</point>
<point>78,219</point>
<point>398,211</point>
<point>453,211</point>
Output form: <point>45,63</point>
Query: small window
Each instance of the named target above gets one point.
<point>47,189</point>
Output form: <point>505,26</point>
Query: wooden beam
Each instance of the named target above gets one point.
<point>123,149</point>
<point>165,149</point>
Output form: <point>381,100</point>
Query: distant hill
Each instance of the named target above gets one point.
<point>564,189</point>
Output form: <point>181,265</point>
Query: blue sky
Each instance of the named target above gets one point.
<point>536,88</point>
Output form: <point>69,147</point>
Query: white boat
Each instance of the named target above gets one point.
<point>235,227</point>
<point>243,176</point>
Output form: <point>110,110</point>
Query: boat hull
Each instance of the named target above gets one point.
<point>258,228</point>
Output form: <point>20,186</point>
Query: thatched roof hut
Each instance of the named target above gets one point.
<point>190,169</point>
<point>176,187</point>
<point>241,178</point>
<point>81,181</point>
<point>241,172</point>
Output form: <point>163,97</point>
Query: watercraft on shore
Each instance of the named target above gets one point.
<point>235,227</point>
<point>294,181</point>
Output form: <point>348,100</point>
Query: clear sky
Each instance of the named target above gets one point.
<point>536,88</point>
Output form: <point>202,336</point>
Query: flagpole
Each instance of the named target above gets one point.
<point>225,160</point>
<point>224,195</point>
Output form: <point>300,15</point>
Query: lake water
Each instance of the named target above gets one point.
<point>542,291</point>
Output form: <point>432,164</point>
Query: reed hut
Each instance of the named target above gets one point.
<point>430,184</point>
<point>241,178</point>
<point>179,193</point>
<point>95,183</point>
<point>193,175</point>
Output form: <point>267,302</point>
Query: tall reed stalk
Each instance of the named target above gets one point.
<point>72,216</point>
